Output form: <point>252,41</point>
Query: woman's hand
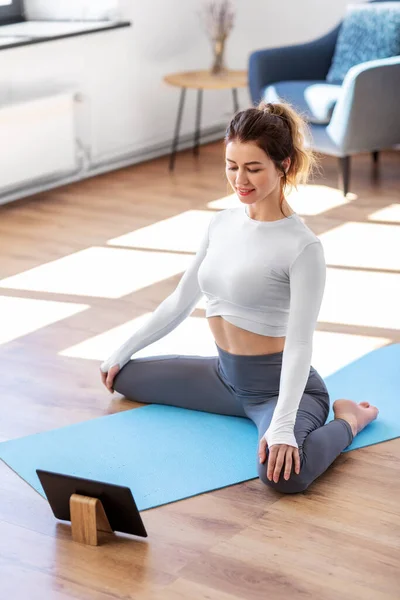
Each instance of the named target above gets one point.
<point>108,378</point>
<point>279,455</point>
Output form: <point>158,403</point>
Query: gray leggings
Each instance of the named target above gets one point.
<point>243,386</point>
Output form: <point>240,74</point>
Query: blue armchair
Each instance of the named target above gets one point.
<point>358,114</point>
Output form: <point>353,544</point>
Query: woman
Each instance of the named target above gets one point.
<point>263,273</point>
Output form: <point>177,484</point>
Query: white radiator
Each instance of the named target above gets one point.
<point>37,139</point>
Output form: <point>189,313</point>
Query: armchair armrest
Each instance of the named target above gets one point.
<point>301,61</point>
<point>366,115</point>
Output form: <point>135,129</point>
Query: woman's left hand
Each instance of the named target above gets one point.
<point>279,455</point>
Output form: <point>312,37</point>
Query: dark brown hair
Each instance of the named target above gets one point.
<point>279,130</point>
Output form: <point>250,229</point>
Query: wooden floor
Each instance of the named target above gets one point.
<point>338,540</point>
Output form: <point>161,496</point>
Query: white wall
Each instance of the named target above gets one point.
<point>72,9</point>
<point>126,105</point>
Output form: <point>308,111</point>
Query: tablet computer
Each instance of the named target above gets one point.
<point>117,500</point>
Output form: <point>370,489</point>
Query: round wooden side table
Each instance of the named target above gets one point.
<point>202,80</point>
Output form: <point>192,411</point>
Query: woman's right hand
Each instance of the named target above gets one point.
<point>108,378</point>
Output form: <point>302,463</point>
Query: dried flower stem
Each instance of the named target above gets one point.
<point>218,18</point>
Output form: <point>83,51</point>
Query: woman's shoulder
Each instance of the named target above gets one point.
<point>305,234</point>
<point>223,216</point>
<point>303,242</point>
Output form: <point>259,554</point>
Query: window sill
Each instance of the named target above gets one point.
<point>37,32</point>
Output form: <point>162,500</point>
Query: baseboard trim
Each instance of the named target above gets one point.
<point>109,163</point>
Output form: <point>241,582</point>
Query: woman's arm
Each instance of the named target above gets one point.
<point>172,311</point>
<point>307,284</point>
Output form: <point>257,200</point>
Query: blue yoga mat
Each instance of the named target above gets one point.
<point>164,454</point>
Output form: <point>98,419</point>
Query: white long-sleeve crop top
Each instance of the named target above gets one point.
<point>267,277</point>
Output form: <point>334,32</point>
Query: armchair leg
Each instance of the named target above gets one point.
<point>344,165</point>
<point>375,156</point>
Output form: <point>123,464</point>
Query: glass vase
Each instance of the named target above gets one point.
<point>218,67</point>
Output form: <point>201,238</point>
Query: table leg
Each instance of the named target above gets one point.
<point>177,129</point>
<point>235,100</point>
<point>198,118</point>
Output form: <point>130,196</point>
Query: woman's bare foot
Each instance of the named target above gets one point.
<point>358,415</point>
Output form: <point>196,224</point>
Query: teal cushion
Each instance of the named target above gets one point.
<point>368,32</point>
<point>315,100</point>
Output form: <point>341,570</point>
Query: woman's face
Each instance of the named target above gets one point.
<point>251,173</point>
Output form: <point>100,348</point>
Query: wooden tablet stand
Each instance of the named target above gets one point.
<point>88,517</point>
<point>91,506</point>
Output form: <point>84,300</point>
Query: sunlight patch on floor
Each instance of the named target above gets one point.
<point>363,245</point>
<point>229,201</point>
<point>307,200</point>
<point>389,213</point>
<point>182,232</point>
<point>100,272</point>
<point>21,316</point>
<point>192,336</point>
<point>361,298</point>
<point>311,199</point>
<point>331,351</point>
